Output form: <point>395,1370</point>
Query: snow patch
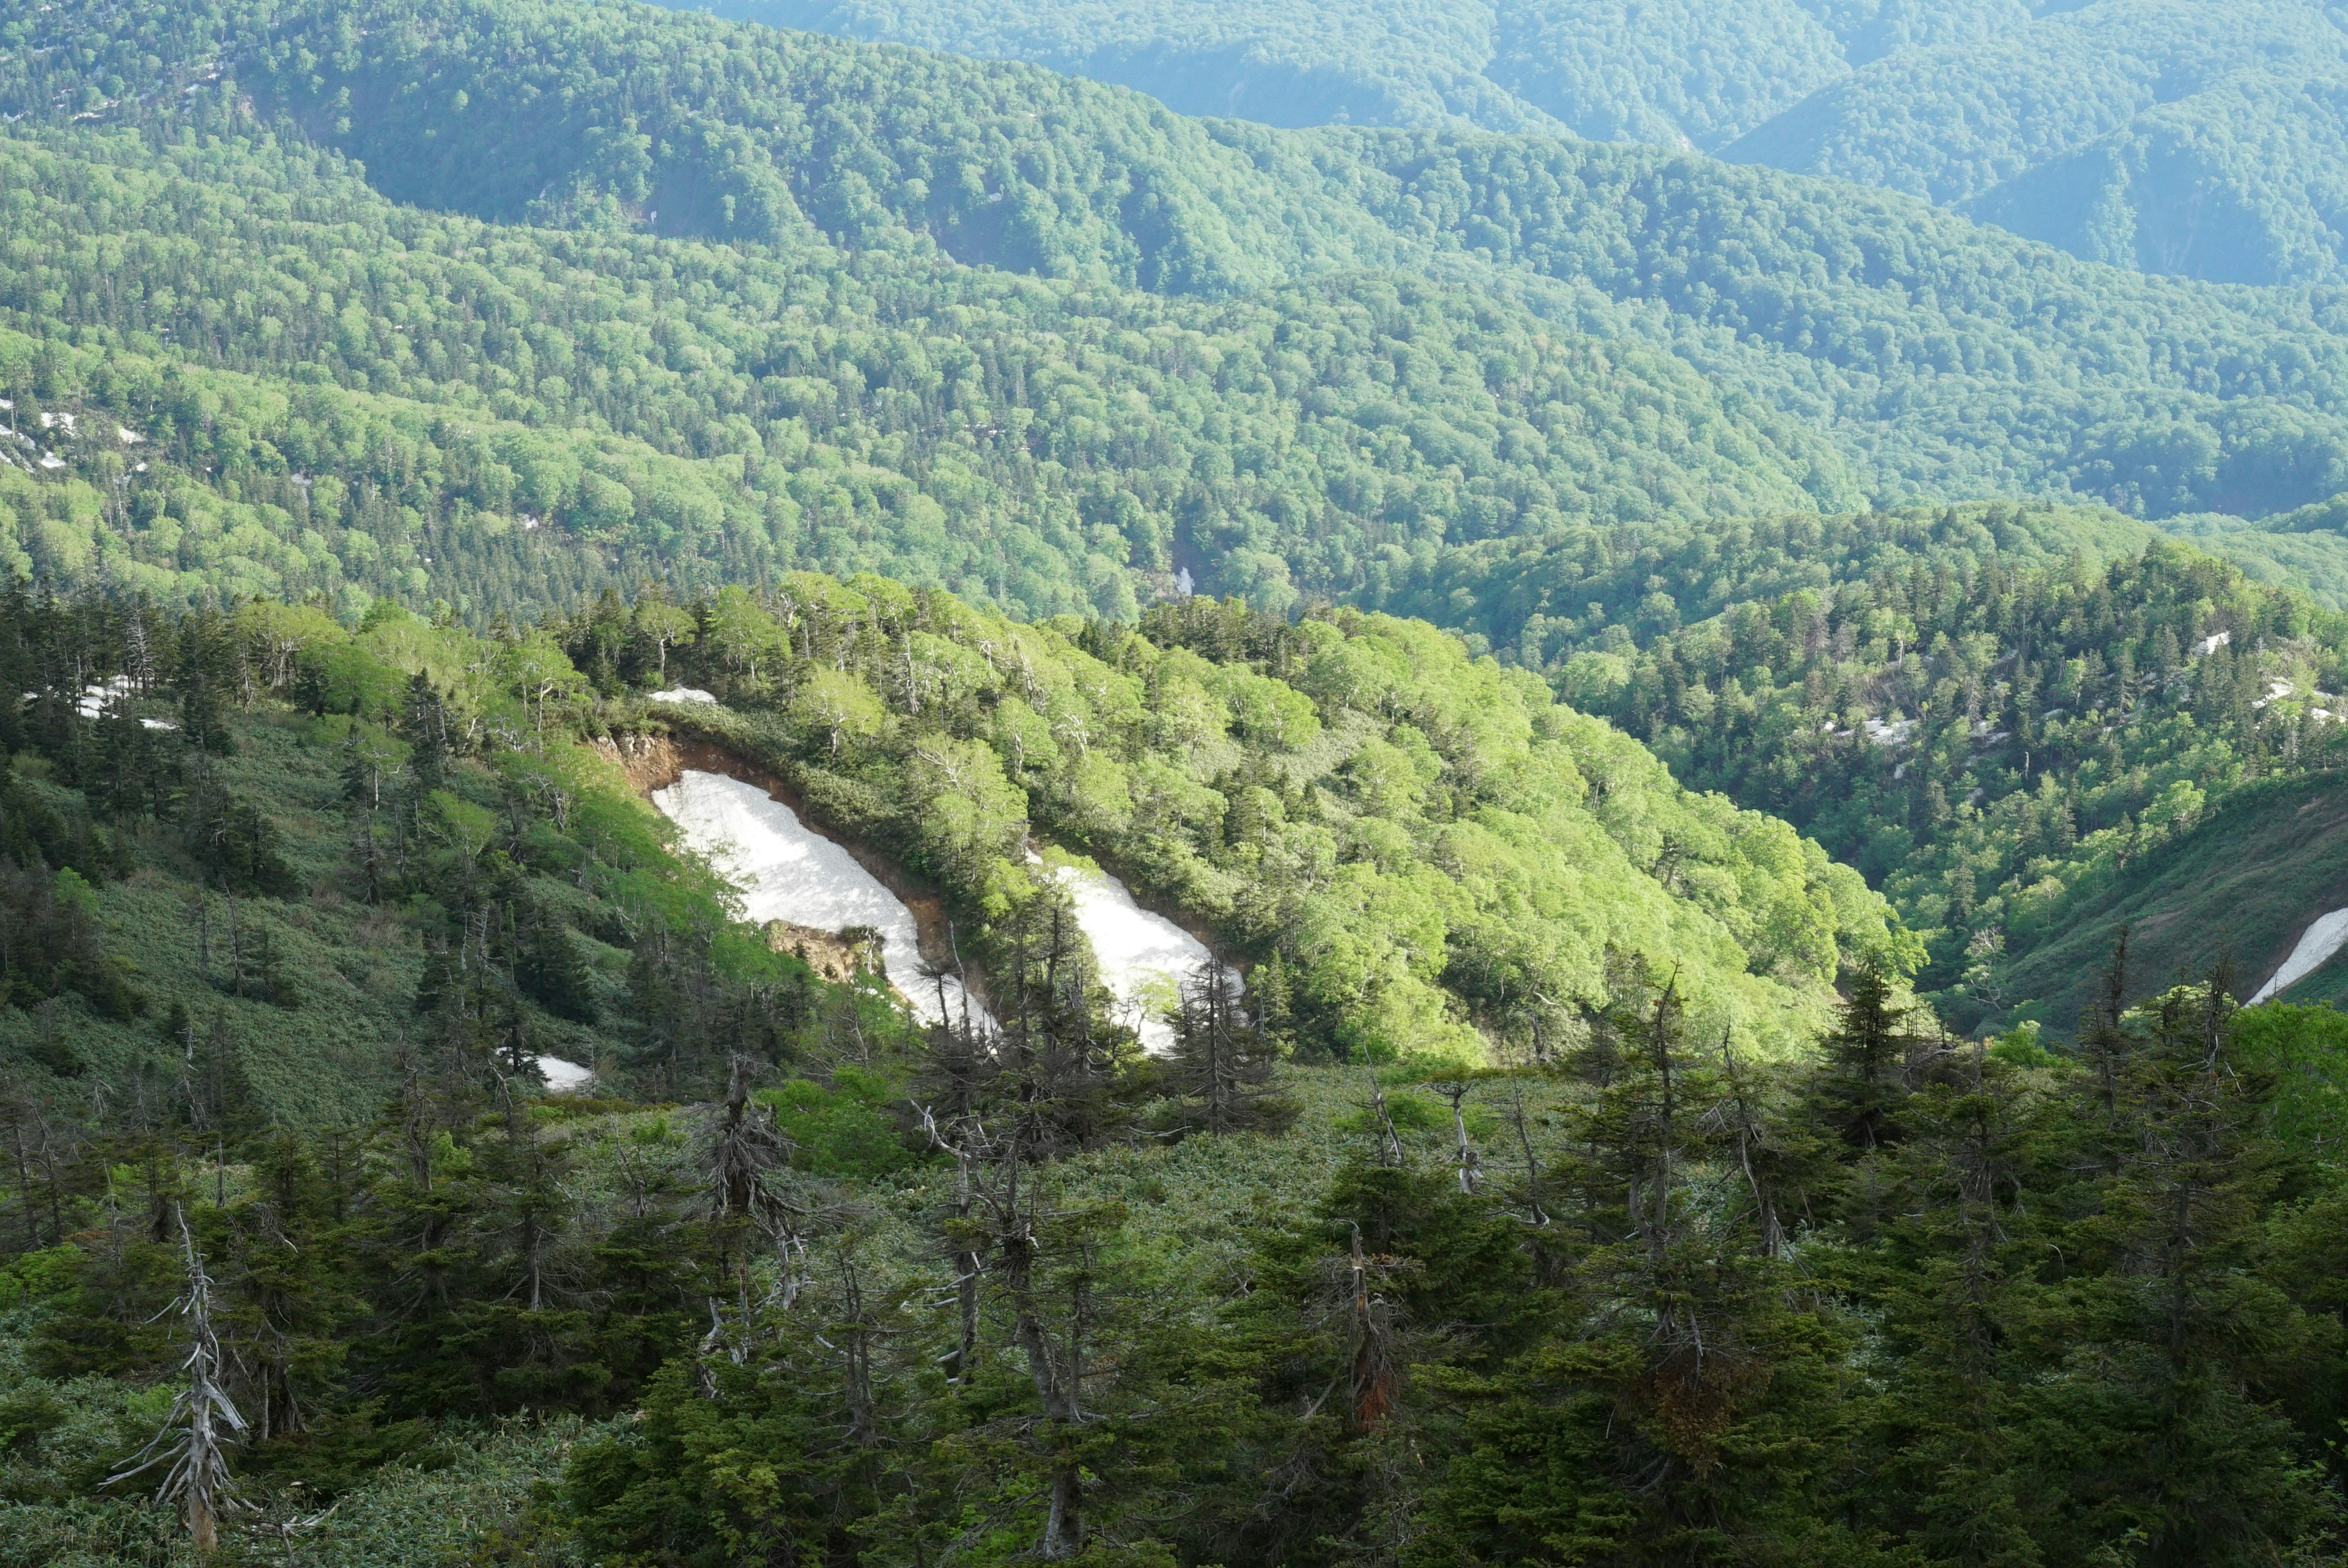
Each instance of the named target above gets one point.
<point>94,699</point>
<point>1895,733</point>
<point>2324,936</point>
<point>681,694</point>
<point>564,1077</point>
<point>788,871</point>
<point>2211,643</point>
<point>1144,956</point>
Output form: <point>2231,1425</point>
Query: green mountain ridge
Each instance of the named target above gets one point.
<point>1941,368</point>
<point>2180,137</point>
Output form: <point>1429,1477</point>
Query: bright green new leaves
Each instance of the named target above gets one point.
<point>1444,860</point>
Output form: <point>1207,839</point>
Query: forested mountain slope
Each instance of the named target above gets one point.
<point>803,1278</point>
<point>801,373</point>
<point>238,363</point>
<point>1409,846</point>
<point>389,386</point>
<point>2019,750</point>
<point>2200,139</point>
<point>289,900</point>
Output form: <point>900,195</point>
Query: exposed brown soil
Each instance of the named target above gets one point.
<point>831,955</point>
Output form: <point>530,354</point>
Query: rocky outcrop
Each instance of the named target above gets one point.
<point>836,956</point>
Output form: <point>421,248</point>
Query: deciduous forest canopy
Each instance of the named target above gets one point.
<point>2195,139</point>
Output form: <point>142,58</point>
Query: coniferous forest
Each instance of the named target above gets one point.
<point>1721,637</point>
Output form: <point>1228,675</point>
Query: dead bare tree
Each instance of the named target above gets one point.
<point>1454,1093</point>
<point>203,1420</point>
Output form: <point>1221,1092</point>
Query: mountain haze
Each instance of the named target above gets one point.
<point>2175,136</point>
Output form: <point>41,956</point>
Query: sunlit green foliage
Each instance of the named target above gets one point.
<point>1994,745</point>
<point>1426,842</point>
<point>381,398</point>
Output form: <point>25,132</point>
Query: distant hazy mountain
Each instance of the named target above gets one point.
<point>2177,135</point>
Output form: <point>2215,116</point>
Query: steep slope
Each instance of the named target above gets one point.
<point>2239,890</point>
<point>1409,846</point>
<point>1996,746</point>
<point>2183,138</point>
<point>1945,359</point>
<point>287,904</point>
<point>1862,347</point>
<point>400,838</point>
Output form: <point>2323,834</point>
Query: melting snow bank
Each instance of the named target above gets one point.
<point>2324,936</point>
<point>564,1077</point>
<point>681,694</point>
<point>787,871</point>
<point>1144,957</point>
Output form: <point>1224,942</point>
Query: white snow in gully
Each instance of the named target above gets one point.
<point>788,871</point>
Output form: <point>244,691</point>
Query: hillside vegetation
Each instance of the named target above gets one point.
<point>1996,738</point>
<point>2199,140</point>
<point>847,1289</point>
<point>2266,860</point>
<point>235,363</point>
<point>287,856</point>
<point>1409,844</point>
<point>1568,1093</point>
<point>1410,847</point>
<point>1722,833</point>
<point>755,301</point>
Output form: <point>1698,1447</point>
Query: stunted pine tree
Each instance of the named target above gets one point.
<point>1864,1084</point>
<point>1222,1064</point>
<point>2190,1346</point>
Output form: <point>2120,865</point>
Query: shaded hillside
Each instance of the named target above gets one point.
<point>2194,140</point>
<point>2239,890</point>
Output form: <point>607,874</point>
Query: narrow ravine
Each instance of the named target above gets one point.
<point>788,871</point>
